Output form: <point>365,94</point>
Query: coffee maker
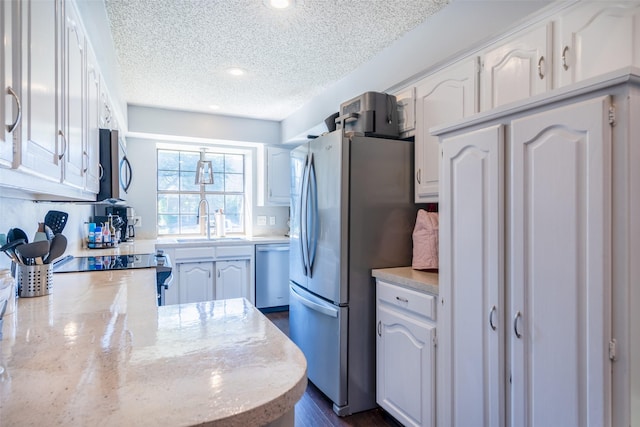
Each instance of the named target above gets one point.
<point>102,212</point>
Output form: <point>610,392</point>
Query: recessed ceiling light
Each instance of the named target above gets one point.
<point>235,71</point>
<point>280,4</point>
<point>214,107</point>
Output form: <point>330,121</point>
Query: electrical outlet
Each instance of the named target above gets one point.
<point>137,221</point>
<point>262,220</point>
<point>272,220</point>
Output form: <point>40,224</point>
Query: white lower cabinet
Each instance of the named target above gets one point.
<point>196,281</point>
<point>525,269</point>
<point>232,279</point>
<point>405,350</point>
<point>206,273</point>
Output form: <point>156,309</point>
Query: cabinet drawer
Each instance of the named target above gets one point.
<point>195,254</point>
<point>244,251</point>
<point>415,302</point>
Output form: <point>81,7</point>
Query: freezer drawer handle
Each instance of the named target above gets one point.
<point>315,306</point>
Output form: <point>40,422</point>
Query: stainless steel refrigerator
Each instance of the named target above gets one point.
<point>352,210</point>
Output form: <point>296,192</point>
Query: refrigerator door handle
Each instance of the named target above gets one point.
<point>328,311</point>
<point>304,206</point>
<point>312,230</point>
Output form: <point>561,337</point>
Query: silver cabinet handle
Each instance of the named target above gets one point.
<point>85,156</point>
<point>515,324</point>
<point>418,176</point>
<point>564,58</point>
<point>402,299</point>
<point>64,140</point>
<point>379,328</point>
<point>540,72</point>
<point>12,127</point>
<point>491,314</point>
<point>101,173</point>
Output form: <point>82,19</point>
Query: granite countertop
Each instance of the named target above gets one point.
<point>423,281</point>
<point>97,351</point>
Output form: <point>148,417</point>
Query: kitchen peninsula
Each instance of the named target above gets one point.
<point>98,351</point>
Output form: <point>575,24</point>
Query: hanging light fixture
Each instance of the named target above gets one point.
<point>204,172</point>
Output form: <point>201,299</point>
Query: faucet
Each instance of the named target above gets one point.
<point>206,203</point>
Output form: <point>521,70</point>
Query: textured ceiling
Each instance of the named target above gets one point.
<point>175,53</point>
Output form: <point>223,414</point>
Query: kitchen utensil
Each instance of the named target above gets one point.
<point>40,234</point>
<point>34,280</point>
<point>32,253</point>
<point>9,249</point>
<point>58,246</point>
<point>17,234</point>
<point>56,220</point>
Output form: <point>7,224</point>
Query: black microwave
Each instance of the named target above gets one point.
<point>115,168</point>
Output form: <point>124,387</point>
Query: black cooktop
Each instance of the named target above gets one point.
<point>106,262</point>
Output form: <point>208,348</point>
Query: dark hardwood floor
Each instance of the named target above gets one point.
<point>315,410</point>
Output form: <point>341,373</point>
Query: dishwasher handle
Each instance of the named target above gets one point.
<point>260,248</point>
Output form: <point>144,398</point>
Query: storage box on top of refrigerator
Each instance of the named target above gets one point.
<point>370,114</point>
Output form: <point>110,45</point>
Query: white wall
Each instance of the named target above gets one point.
<point>144,121</point>
<point>460,27</point>
<point>26,214</point>
<point>142,195</point>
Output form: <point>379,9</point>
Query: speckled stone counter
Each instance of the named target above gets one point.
<point>423,281</point>
<point>97,351</point>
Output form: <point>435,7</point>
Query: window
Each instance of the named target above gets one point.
<point>179,196</point>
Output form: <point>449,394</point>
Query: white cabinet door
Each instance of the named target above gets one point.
<point>74,92</point>
<point>470,321</point>
<point>516,70</point>
<point>232,279</point>
<point>9,104</point>
<point>595,38</point>
<point>406,111</point>
<point>41,146</point>
<point>405,366</point>
<point>196,281</point>
<point>560,266</point>
<point>92,158</point>
<point>278,176</point>
<point>446,96</point>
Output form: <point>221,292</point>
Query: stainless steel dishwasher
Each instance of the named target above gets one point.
<point>272,276</point>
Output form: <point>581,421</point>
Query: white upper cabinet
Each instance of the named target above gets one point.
<point>42,148</point>
<point>278,176</point>
<point>595,38</point>
<point>92,156</point>
<point>517,69</point>
<point>74,105</point>
<point>445,96</point>
<point>10,101</point>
